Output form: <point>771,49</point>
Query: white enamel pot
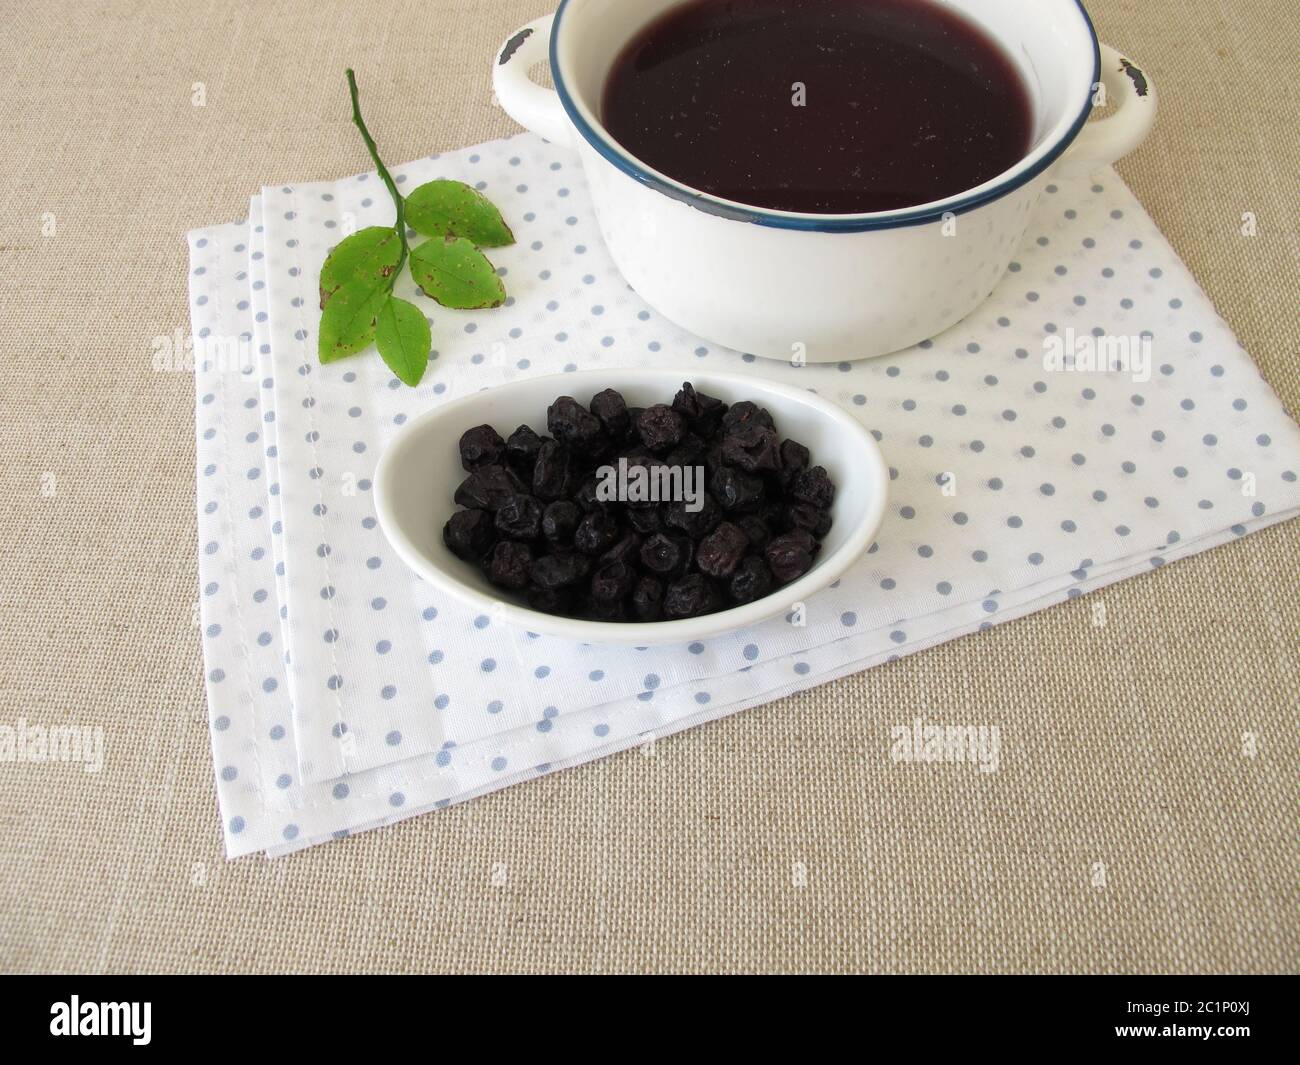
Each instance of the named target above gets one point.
<point>822,288</point>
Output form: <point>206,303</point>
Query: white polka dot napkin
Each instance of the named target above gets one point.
<point>345,693</point>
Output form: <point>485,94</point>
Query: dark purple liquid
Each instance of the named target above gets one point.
<point>905,102</point>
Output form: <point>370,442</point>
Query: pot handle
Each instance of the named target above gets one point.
<point>1102,142</point>
<point>536,109</point>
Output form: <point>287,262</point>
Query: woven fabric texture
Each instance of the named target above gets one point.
<point>1143,815</point>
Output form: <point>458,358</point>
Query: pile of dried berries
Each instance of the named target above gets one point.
<point>537,521</point>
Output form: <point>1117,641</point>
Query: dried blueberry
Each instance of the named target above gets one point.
<point>753,449</point>
<point>551,600</point>
<point>794,456</point>
<point>790,555</point>
<point>469,534</point>
<point>665,556</point>
<point>553,475</point>
<point>690,452</point>
<point>628,550</point>
<point>703,413</point>
<point>632,436</point>
<point>611,410</point>
<point>639,460</point>
<point>720,552</point>
<point>713,457</point>
<point>814,486</point>
<point>744,414</point>
<point>647,600</point>
<point>735,489</point>
<point>481,446</point>
<point>660,428</point>
<point>691,596</point>
<point>687,401</point>
<point>806,516</point>
<point>606,609</point>
<point>509,564</point>
<point>522,447</point>
<point>519,518</point>
<point>644,519</point>
<point>488,487</point>
<point>773,514</point>
<point>571,423</point>
<point>694,523</point>
<point>559,521</point>
<point>752,580</point>
<point>612,582</point>
<point>560,571</point>
<point>588,494</point>
<point>597,532</point>
<point>756,529</point>
<point>664,479</point>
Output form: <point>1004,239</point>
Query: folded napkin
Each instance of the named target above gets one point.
<point>345,692</point>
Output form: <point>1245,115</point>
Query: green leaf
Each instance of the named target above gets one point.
<point>456,274</point>
<point>452,209</point>
<point>348,322</point>
<point>372,252</point>
<point>403,338</point>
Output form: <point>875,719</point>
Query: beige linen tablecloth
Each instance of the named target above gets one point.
<point>1144,815</point>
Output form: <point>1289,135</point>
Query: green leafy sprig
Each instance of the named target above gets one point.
<point>357,278</point>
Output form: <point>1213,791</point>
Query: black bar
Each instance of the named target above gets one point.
<point>295,1012</point>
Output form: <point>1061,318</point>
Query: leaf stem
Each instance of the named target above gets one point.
<point>400,224</point>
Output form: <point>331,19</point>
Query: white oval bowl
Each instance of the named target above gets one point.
<point>420,469</point>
